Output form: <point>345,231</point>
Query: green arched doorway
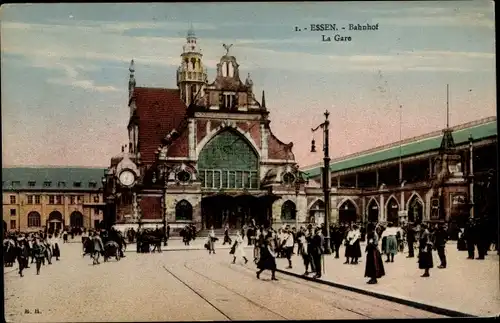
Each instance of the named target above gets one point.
<point>228,162</point>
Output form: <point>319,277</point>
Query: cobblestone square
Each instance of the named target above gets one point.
<point>177,286</point>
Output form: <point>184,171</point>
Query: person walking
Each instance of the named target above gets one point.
<point>317,251</point>
<point>267,260</point>
<point>374,267</point>
<point>98,248</point>
<point>470,237</point>
<point>391,242</point>
<point>410,239</point>
<point>355,246</point>
<point>54,243</point>
<point>288,246</point>
<point>425,251</point>
<point>22,254</point>
<point>440,238</point>
<point>239,250</point>
<point>227,239</point>
<point>211,241</point>
<point>39,250</point>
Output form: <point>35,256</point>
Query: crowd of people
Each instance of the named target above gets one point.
<point>382,240</point>
<point>40,247</point>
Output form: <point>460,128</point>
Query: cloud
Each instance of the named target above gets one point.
<point>94,44</point>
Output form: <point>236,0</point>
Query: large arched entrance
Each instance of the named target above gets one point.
<point>347,212</point>
<point>76,220</point>
<point>55,221</point>
<point>228,162</point>
<point>415,210</point>
<point>392,211</point>
<point>373,211</point>
<point>317,212</point>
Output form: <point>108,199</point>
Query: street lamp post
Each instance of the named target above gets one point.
<point>297,190</point>
<point>471,177</point>
<point>326,179</point>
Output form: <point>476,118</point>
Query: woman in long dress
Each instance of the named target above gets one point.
<point>211,241</point>
<point>55,247</point>
<point>348,247</point>
<point>355,247</point>
<point>391,242</point>
<point>267,260</point>
<point>374,267</point>
<point>239,250</point>
<point>425,251</point>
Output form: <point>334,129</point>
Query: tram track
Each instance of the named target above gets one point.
<point>217,308</point>
<point>328,290</point>
<point>320,299</point>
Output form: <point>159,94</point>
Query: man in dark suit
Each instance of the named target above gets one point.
<point>440,238</point>
<point>469,235</point>
<point>316,251</point>
<point>410,239</point>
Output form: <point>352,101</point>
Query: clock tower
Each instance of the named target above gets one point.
<point>191,75</point>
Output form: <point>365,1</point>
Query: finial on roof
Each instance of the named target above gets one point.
<point>263,103</point>
<point>227,47</point>
<point>132,67</point>
<point>191,31</point>
<point>249,81</point>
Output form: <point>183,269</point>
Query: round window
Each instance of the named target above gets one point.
<point>288,178</point>
<point>183,176</point>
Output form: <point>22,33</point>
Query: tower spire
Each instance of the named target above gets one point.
<point>131,81</point>
<point>447,106</point>
<point>263,103</point>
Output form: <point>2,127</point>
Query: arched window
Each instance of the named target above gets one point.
<point>288,211</point>
<point>224,69</point>
<point>34,220</point>
<point>415,210</point>
<point>373,211</point>
<point>347,212</point>
<point>193,63</point>
<point>183,211</point>
<point>392,211</point>
<point>317,212</point>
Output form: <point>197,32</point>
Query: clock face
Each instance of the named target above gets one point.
<point>127,178</point>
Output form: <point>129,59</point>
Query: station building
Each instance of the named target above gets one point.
<point>204,153</point>
<point>35,198</point>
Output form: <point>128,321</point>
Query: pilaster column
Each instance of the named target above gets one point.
<point>263,142</point>
<point>192,139</point>
<point>364,213</point>
<point>402,201</point>
<point>383,215</point>
<point>334,210</point>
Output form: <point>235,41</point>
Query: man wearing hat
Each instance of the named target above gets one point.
<point>316,251</point>
<point>23,254</point>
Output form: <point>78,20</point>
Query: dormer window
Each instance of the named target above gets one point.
<point>77,184</point>
<point>229,101</point>
<point>61,184</point>
<point>16,183</point>
<point>288,178</point>
<point>31,184</point>
<point>47,184</point>
<point>92,184</point>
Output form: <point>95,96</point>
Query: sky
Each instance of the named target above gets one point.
<point>64,70</point>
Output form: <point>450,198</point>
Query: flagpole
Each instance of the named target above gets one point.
<point>447,106</point>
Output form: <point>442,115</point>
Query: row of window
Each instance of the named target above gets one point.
<point>49,184</point>
<point>53,199</point>
<point>229,179</point>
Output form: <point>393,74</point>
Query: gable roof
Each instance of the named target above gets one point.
<point>159,111</point>
<point>480,129</point>
<point>40,175</point>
